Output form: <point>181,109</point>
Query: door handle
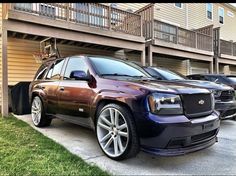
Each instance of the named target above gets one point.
<point>61,88</point>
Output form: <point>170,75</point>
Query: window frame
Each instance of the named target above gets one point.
<point>221,8</point>
<point>230,12</point>
<point>178,6</point>
<point>63,60</point>
<point>212,10</point>
<point>46,65</point>
<point>52,64</point>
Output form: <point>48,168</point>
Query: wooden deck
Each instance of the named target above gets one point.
<point>175,41</point>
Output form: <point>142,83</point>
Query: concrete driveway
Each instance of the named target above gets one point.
<point>219,159</point>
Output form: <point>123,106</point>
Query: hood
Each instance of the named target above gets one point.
<point>158,85</point>
<point>205,84</point>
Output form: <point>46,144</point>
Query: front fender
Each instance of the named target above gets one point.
<point>136,103</point>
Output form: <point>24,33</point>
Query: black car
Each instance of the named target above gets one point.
<point>229,80</point>
<point>224,95</point>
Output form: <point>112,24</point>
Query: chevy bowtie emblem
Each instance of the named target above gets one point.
<point>201,102</point>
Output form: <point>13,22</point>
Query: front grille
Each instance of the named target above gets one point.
<point>227,95</point>
<point>197,105</point>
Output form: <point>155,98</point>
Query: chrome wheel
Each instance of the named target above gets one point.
<point>112,132</point>
<point>36,110</point>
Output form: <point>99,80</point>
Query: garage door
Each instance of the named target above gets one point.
<point>195,70</point>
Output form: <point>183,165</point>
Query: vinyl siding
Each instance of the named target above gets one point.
<point>197,18</point>
<point>168,12</point>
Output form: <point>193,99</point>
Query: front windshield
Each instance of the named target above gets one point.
<point>232,78</point>
<point>106,66</point>
<point>169,75</point>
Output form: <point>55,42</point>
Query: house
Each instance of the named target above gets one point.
<point>189,37</point>
<point>185,37</point>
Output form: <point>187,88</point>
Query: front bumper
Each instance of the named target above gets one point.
<point>178,135</point>
<point>227,109</point>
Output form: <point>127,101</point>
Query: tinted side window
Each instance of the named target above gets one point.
<point>55,69</point>
<point>218,79</point>
<point>151,72</point>
<point>75,63</point>
<point>41,71</point>
<point>49,74</point>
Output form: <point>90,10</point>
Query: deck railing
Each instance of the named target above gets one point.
<point>89,14</point>
<point>174,34</point>
<point>227,47</point>
<point>154,29</point>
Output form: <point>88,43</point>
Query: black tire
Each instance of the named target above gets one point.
<point>44,120</point>
<point>133,146</point>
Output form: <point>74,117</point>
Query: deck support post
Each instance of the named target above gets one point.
<point>4,81</point>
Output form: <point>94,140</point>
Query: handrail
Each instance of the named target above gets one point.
<point>90,14</point>
<point>174,34</point>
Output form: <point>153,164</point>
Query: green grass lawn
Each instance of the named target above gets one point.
<point>24,151</point>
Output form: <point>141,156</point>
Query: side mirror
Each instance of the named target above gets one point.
<point>79,75</point>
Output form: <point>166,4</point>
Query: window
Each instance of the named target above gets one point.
<point>24,6</point>
<point>95,14</point>
<point>75,64</point>
<point>169,75</point>
<point>217,79</point>
<point>114,15</point>
<point>55,70</point>
<point>82,17</point>
<point>230,14</point>
<point>110,66</point>
<point>49,74</point>
<point>232,79</point>
<point>179,5</point>
<point>41,71</point>
<point>47,10</point>
<point>221,15</point>
<point>209,10</point>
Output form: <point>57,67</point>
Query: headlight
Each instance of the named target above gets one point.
<point>165,104</point>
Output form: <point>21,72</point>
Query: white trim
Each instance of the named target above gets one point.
<point>211,11</point>
<point>223,15</point>
<point>179,7</point>
<point>169,22</point>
